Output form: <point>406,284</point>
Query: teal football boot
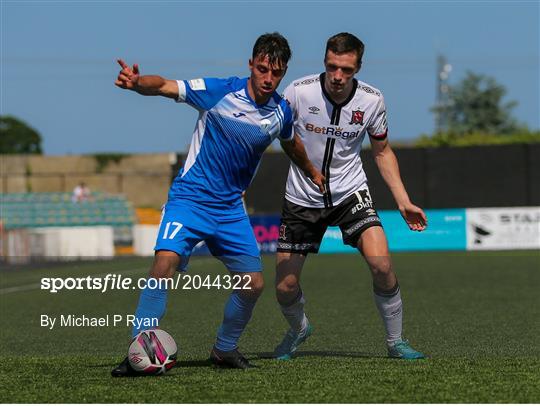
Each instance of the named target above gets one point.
<point>285,350</point>
<point>402,349</point>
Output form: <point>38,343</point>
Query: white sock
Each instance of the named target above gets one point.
<point>391,311</point>
<point>294,314</point>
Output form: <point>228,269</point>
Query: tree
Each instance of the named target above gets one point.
<point>475,105</point>
<point>17,137</point>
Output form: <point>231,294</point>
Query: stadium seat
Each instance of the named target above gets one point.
<point>26,210</point>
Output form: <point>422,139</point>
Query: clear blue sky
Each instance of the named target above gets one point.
<point>58,59</point>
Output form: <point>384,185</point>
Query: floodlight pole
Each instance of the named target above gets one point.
<point>442,100</point>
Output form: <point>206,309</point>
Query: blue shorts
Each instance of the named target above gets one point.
<point>231,240</point>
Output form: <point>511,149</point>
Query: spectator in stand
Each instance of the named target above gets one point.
<point>81,193</point>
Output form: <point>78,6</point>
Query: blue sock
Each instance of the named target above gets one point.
<point>237,313</point>
<point>151,307</point>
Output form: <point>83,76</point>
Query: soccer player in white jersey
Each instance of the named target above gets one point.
<point>238,119</point>
<point>333,112</point>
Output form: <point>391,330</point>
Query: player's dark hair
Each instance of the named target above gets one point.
<point>275,46</point>
<point>344,42</point>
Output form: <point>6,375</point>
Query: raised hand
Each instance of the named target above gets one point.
<point>128,78</point>
<point>414,217</point>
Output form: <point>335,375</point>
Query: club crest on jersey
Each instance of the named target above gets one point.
<point>265,125</point>
<point>357,117</point>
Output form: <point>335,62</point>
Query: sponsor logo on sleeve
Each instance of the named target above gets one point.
<point>197,84</point>
<point>306,81</point>
<point>368,89</point>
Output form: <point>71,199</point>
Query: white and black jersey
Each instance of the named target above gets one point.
<point>332,135</point>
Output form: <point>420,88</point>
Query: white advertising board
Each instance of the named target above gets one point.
<point>503,228</point>
<point>144,239</point>
<point>71,243</point>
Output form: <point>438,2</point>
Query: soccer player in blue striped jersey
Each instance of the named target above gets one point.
<point>238,119</point>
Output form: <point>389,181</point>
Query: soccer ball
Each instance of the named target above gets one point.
<point>152,352</point>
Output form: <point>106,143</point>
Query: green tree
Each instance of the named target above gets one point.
<point>475,105</point>
<point>17,137</point>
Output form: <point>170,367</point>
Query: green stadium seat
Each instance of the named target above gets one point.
<point>56,209</point>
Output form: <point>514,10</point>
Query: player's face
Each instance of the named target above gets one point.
<point>340,70</point>
<point>265,78</point>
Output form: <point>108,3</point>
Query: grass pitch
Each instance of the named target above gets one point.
<point>476,315</point>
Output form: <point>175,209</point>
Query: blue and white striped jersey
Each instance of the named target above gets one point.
<point>230,136</point>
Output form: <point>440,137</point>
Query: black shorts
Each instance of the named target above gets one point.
<point>302,228</point>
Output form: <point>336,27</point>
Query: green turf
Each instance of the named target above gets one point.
<point>477,316</point>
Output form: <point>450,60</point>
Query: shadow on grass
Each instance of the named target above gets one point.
<point>179,364</point>
<point>201,363</point>
<point>299,354</point>
<point>193,363</point>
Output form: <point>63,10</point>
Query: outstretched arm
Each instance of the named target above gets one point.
<point>388,167</point>
<point>148,85</point>
<point>297,153</point>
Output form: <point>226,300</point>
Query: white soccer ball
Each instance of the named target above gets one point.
<point>152,352</point>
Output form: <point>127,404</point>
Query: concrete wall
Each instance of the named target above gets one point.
<point>143,179</point>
